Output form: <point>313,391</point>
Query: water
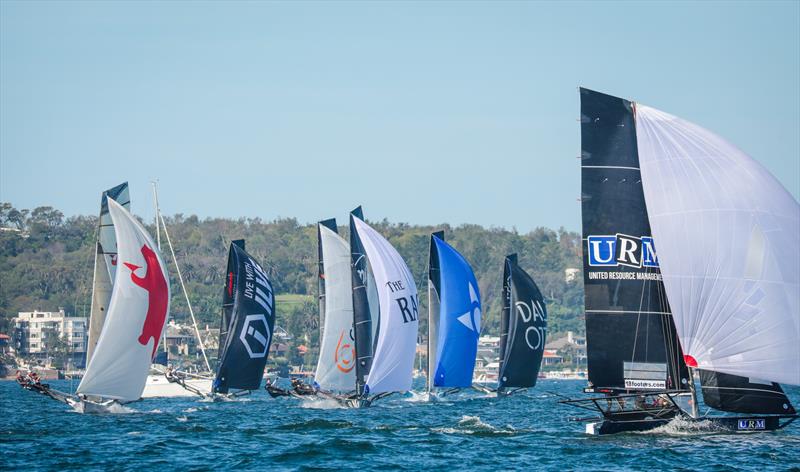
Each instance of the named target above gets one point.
<point>477,432</point>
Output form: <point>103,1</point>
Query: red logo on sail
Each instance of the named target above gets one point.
<point>344,362</point>
<point>158,297</point>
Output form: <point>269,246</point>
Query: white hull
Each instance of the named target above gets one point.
<point>158,386</point>
<point>91,407</point>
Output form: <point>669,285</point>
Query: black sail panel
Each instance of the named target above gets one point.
<point>630,336</point>
<point>527,329</point>
<point>737,394</point>
<point>248,320</point>
<point>362,318</point>
<point>505,314</point>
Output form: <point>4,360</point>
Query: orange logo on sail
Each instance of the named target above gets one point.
<point>345,355</point>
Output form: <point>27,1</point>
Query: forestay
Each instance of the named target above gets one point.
<point>728,239</point>
<point>395,348</point>
<point>336,364</point>
<point>136,314</point>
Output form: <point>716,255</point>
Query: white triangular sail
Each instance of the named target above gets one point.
<point>135,319</point>
<point>395,349</point>
<point>336,364</point>
<point>105,264</point>
<point>728,240</point>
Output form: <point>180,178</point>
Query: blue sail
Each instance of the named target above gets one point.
<point>459,322</point>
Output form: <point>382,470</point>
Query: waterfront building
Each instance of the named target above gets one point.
<point>47,335</point>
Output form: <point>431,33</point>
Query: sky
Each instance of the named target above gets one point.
<point>422,112</point>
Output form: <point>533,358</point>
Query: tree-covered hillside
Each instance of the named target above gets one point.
<point>46,262</point>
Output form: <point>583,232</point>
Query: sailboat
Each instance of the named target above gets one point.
<point>385,332</point>
<point>247,322</point>
<point>454,319</point>
<point>164,381</point>
<point>128,315</point>
<point>651,318</point>
<point>523,331</point>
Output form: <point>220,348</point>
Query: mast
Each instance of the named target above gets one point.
<point>362,318</point>
<point>505,319</point>
<point>434,291</point>
<point>158,243</point>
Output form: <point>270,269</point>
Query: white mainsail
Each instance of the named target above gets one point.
<point>393,359</point>
<point>135,317</point>
<point>336,364</point>
<point>105,264</point>
<point>728,240</point>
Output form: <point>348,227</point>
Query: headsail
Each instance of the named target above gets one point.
<point>135,319</point>
<point>630,337</point>
<point>248,322</point>
<point>728,237</point>
<point>105,264</point>
<point>337,356</point>
<point>455,316</point>
<point>392,361</point>
<point>523,328</point>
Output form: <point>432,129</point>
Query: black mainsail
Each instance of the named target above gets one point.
<point>630,336</point>
<point>248,319</point>
<point>362,316</point>
<point>523,328</point>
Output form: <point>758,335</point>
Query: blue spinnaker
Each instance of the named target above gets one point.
<point>460,319</point>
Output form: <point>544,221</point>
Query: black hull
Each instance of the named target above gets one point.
<point>627,426</point>
<point>720,424</point>
<point>748,424</point>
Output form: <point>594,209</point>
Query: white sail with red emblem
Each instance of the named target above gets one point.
<point>136,314</point>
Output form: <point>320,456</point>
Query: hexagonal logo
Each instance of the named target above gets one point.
<point>255,335</point>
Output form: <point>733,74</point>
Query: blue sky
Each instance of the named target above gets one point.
<point>422,112</point>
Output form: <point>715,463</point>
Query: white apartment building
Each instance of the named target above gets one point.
<point>33,329</point>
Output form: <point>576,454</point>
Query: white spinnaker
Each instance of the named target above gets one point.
<point>105,264</point>
<point>120,364</point>
<point>336,364</point>
<point>393,359</point>
<point>728,240</point>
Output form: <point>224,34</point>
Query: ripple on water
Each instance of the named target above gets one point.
<point>487,433</point>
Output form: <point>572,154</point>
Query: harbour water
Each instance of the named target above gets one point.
<point>469,431</point>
